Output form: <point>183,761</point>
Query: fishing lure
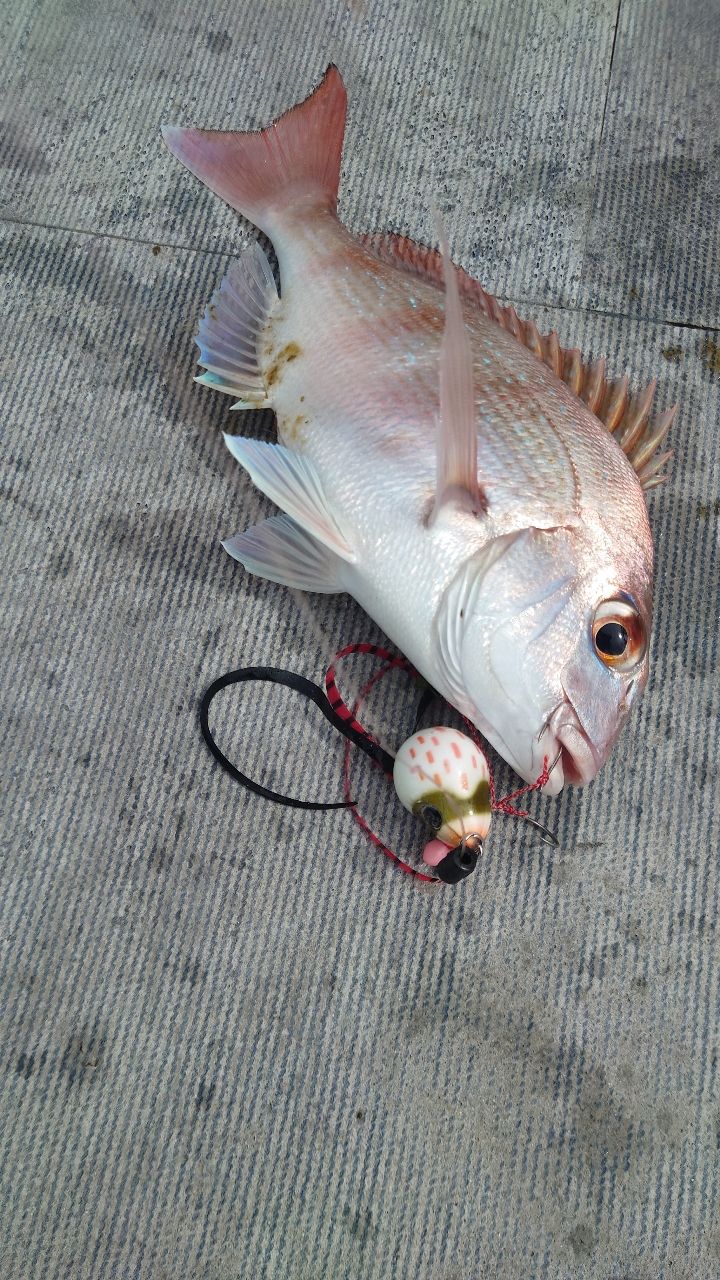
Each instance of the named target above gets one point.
<point>442,776</point>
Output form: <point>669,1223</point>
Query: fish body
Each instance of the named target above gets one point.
<point>430,464</point>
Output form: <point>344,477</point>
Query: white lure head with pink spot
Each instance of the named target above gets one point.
<point>442,777</point>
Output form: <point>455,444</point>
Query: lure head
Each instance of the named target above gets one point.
<point>442,777</point>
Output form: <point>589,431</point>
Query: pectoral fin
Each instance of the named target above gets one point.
<point>293,483</point>
<point>457,462</point>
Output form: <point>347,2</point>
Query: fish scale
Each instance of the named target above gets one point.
<point>396,414</point>
<point>520,438</point>
<point>467,479</point>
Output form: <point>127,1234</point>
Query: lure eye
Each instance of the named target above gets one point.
<point>432,817</point>
<point>618,634</point>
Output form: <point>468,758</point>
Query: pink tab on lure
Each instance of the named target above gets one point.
<point>434,852</point>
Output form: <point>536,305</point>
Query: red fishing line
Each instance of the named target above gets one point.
<point>393,662</point>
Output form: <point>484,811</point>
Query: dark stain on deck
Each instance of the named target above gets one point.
<point>710,355</point>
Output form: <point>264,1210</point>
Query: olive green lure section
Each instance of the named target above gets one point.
<point>451,807</point>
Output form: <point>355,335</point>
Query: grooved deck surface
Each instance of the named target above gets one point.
<point>235,1042</point>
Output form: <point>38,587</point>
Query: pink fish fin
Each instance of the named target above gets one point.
<point>293,484</point>
<point>231,327</point>
<point>420,260</point>
<point>457,473</point>
<point>281,550</point>
<point>263,174</point>
<point>639,434</point>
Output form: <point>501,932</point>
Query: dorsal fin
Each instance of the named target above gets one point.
<point>637,432</point>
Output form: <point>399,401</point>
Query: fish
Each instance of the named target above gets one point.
<point>479,489</point>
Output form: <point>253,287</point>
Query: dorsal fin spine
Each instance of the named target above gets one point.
<point>609,401</point>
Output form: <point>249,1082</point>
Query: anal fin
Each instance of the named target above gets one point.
<point>230,330</point>
<point>281,550</point>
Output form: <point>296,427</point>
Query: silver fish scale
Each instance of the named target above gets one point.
<point>372,367</point>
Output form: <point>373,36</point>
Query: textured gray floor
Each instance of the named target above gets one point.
<point>235,1042</point>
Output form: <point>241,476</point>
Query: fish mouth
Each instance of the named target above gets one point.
<point>562,739</point>
<point>579,760</point>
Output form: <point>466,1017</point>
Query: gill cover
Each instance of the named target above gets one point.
<point>503,639</point>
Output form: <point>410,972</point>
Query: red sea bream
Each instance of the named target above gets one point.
<point>476,487</point>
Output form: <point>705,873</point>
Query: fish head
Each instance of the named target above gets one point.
<point>543,638</point>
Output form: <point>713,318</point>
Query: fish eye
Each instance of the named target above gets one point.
<point>618,634</point>
<point>432,817</point>
<point>611,639</point>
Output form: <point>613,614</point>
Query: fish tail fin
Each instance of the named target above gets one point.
<point>263,174</point>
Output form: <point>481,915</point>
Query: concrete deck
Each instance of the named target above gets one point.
<point>235,1041</point>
